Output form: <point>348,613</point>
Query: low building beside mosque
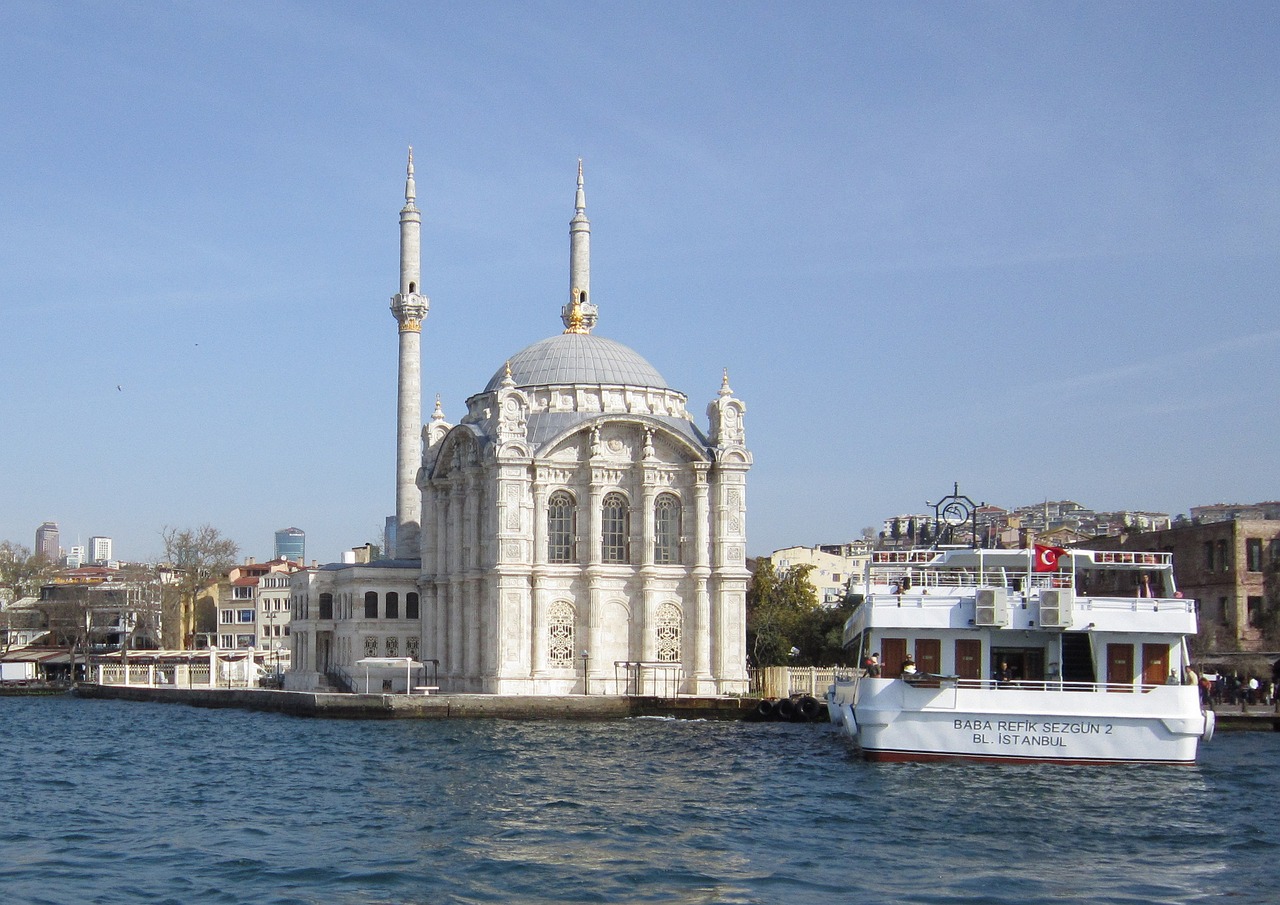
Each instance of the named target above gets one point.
<point>576,531</point>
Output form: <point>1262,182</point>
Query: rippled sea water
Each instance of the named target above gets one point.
<point>111,802</point>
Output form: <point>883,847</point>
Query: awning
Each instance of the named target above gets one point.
<point>44,655</point>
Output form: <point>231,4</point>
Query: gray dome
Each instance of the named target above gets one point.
<point>578,358</point>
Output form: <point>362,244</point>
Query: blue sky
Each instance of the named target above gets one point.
<point>1029,247</point>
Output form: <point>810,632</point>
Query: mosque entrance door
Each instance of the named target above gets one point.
<point>324,652</point>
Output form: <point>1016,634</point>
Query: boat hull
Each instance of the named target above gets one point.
<point>894,721</point>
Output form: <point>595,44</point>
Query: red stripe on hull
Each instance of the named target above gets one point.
<point>902,757</point>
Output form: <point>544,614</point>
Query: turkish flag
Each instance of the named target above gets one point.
<point>1047,558</point>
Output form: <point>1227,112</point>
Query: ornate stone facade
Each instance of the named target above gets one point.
<point>578,532</point>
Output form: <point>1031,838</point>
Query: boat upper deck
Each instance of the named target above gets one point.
<point>967,588</point>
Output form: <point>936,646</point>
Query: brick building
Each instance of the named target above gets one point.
<point>1223,565</point>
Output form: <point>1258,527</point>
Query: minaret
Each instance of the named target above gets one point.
<point>579,314</point>
<point>409,307</point>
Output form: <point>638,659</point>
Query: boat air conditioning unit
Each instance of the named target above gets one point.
<point>1055,607</point>
<point>991,606</point>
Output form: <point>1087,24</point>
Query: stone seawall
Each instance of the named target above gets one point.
<point>445,706</point>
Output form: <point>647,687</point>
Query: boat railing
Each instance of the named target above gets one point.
<point>930,680</point>
<point>919,598</point>
<point>1140,604</point>
<point>1126,557</point>
<point>909,580</point>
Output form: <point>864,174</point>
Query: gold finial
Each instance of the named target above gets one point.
<point>577,321</point>
<point>508,367</point>
<point>724,384</point>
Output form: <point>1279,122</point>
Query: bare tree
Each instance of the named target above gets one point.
<point>22,574</point>
<point>199,557</point>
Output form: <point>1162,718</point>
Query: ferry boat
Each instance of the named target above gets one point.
<point>1036,655</point>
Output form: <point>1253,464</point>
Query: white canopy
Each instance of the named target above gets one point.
<point>408,664</point>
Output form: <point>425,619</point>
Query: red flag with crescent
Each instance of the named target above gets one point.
<point>1047,558</point>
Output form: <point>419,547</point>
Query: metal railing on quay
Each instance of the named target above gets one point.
<point>652,678</point>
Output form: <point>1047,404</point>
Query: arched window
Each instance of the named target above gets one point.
<point>393,605</point>
<point>560,635</point>
<point>666,529</point>
<point>411,605</point>
<point>668,633</point>
<point>371,606</point>
<point>615,529</point>
<point>326,606</point>
<point>561,527</point>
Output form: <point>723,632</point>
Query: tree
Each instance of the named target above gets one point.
<point>822,641</point>
<point>199,557</point>
<point>143,588</point>
<point>780,610</point>
<point>22,573</point>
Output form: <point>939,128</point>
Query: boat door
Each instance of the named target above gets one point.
<point>1120,666</point>
<point>929,655</point>
<point>969,658</point>
<point>893,652</point>
<point>1155,664</point>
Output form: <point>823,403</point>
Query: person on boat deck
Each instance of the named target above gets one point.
<point>908,666</point>
<point>872,666</point>
<point>1004,675</point>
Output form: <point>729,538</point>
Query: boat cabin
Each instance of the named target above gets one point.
<point>1025,618</point>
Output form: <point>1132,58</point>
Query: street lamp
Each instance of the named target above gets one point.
<point>586,658</point>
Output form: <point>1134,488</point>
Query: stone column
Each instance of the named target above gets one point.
<point>539,604</point>
<point>457,524</point>
<point>701,624</point>
<point>474,617</point>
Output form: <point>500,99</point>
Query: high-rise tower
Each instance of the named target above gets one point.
<point>409,307</point>
<point>47,541</point>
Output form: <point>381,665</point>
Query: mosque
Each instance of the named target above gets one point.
<point>576,531</point>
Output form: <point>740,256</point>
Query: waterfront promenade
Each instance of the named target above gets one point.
<point>338,705</point>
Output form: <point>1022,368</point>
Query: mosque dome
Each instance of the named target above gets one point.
<point>578,358</point>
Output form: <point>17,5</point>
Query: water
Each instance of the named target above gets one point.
<point>109,802</point>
